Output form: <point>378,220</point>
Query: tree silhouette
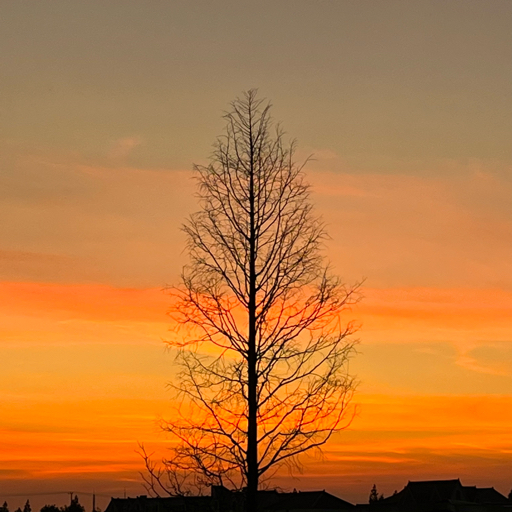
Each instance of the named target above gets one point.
<point>262,349</point>
<point>74,506</point>
<point>50,508</point>
<point>374,495</point>
<point>4,507</point>
<point>27,507</point>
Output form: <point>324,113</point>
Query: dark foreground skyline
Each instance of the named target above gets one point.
<point>425,496</point>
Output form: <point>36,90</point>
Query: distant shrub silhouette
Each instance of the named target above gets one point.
<point>50,508</point>
<point>74,506</point>
<point>374,495</point>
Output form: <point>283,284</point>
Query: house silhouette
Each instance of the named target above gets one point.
<point>441,496</point>
<point>224,500</point>
<point>422,496</point>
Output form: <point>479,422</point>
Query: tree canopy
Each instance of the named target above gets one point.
<point>262,347</point>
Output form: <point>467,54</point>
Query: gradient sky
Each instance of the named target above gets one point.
<point>407,107</point>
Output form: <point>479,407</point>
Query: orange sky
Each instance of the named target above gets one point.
<point>107,105</point>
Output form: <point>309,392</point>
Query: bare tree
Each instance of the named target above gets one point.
<point>263,353</point>
<point>167,479</point>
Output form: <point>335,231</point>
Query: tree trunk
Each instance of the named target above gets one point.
<point>252,430</point>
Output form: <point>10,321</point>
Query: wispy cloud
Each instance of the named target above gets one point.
<point>121,148</point>
<point>486,357</point>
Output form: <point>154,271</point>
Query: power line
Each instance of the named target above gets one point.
<point>57,492</point>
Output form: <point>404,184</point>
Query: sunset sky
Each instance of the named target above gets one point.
<point>105,106</point>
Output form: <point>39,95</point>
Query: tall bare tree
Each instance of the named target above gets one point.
<point>263,352</point>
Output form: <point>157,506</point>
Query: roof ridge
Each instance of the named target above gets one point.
<point>434,481</point>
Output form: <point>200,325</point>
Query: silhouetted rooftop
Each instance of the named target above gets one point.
<point>441,496</point>
<point>223,500</point>
<point>419,496</point>
<point>310,500</point>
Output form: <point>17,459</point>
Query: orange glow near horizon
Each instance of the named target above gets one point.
<point>93,376</point>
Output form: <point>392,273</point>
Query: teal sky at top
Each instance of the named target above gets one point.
<point>385,84</point>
